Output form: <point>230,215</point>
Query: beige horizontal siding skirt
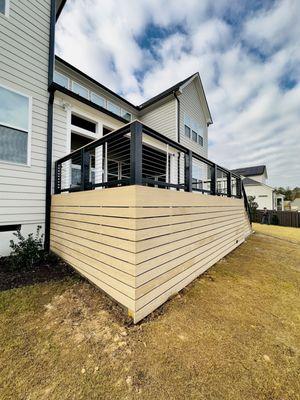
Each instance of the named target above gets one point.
<point>141,245</point>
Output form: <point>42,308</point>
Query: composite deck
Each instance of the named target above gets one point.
<point>141,244</point>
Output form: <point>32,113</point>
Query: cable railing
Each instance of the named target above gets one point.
<point>136,154</point>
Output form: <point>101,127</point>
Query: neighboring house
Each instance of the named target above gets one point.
<point>255,179</point>
<point>90,167</point>
<point>295,204</point>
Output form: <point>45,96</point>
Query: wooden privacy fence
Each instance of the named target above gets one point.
<point>283,218</point>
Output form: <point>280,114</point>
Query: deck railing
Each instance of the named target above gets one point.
<point>138,155</point>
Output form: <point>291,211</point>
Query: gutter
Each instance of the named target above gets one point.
<point>49,126</point>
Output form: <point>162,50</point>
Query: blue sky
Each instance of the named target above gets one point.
<point>247,54</point>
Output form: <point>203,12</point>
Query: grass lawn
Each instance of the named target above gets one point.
<point>234,333</point>
<point>283,232</point>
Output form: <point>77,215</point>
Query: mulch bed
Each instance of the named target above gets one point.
<point>24,277</point>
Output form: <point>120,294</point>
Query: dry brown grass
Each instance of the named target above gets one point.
<point>232,334</point>
<point>282,232</point>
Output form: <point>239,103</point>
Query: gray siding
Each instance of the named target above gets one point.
<point>163,119</point>
<point>190,104</point>
<point>24,41</point>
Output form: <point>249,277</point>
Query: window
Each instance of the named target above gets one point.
<point>61,79</point>
<point>81,90</point>
<point>14,126</point>
<point>187,131</point>
<point>83,123</point>
<point>113,108</point>
<point>193,130</point>
<point>194,136</point>
<point>95,98</point>
<point>126,115</point>
<point>4,7</point>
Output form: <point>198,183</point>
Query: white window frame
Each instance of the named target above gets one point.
<point>88,91</point>
<point>114,104</point>
<point>65,76</point>
<point>193,126</point>
<point>7,7</point>
<point>29,132</point>
<point>126,112</point>
<point>98,95</point>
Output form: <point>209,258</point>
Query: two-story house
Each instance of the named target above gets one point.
<point>90,167</point>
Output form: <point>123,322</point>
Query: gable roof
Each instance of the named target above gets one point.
<point>179,87</point>
<point>173,89</point>
<point>251,171</point>
<point>251,182</point>
<point>165,93</point>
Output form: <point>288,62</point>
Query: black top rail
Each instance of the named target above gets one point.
<point>127,159</point>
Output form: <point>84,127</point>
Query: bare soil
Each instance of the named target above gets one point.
<point>234,333</point>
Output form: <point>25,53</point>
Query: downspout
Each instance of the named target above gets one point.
<point>178,116</point>
<point>178,134</point>
<point>50,125</point>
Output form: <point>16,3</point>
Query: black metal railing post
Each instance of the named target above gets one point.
<point>188,171</point>
<point>85,170</point>
<point>239,187</point>
<point>57,178</point>
<point>229,184</point>
<point>213,183</point>
<point>136,153</point>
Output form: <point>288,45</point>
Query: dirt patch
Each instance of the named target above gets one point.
<point>41,273</point>
<point>232,334</point>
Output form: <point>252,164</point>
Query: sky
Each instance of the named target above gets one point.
<point>247,54</point>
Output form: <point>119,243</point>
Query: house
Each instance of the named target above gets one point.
<point>124,192</point>
<point>254,181</point>
<point>295,204</point>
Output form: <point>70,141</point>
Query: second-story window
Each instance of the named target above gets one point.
<point>61,79</point>
<point>100,101</point>
<point>81,90</point>
<point>126,115</point>
<point>4,7</point>
<point>113,108</point>
<point>193,130</point>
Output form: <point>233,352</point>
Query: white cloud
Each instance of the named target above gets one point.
<point>242,65</point>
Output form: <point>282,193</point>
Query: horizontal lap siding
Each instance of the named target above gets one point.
<point>24,41</point>
<point>190,104</point>
<point>163,119</point>
<point>141,244</point>
<point>106,259</point>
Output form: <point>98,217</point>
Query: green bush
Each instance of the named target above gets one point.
<point>26,252</point>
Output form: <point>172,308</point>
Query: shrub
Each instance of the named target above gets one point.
<point>27,252</point>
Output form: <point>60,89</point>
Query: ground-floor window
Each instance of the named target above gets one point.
<point>15,121</point>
